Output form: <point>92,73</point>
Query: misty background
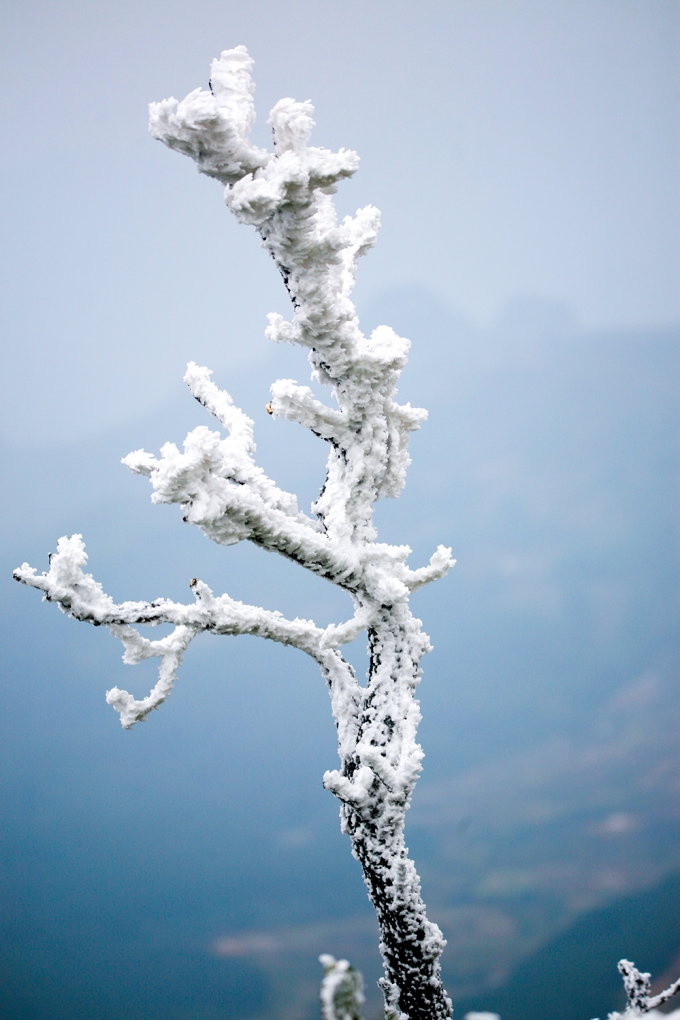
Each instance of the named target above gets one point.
<point>524,159</point>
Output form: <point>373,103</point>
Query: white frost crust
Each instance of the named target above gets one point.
<point>137,648</point>
<point>213,127</point>
<point>355,791</point>
<point>439,566</point>
<point>83,598</point>
<point>288,197</point>
<point>213,475</point>
<point>298,403</point>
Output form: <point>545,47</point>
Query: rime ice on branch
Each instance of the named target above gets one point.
<point>287,196</point>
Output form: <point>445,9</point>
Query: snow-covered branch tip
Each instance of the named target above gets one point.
<point>287,195</point>
<point>341,990</point>
<point>639,998</point>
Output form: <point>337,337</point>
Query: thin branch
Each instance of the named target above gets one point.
<point>83,598</point>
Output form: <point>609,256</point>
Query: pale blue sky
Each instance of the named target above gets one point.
<point>514,148</point>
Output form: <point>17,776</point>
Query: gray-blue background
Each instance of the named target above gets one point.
<point>523,156</point>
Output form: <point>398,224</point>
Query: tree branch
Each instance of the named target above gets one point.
<point>82,598</point>
<point>638,987</point>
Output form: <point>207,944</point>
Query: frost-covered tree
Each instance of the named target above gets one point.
<point>287,196</point>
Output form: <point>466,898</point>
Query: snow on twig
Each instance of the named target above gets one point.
<point>83,598</point>
<point>638,986</point>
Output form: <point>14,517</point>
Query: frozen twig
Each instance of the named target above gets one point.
<point>82,598</point>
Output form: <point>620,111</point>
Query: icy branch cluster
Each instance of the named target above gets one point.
<point>287,196</point>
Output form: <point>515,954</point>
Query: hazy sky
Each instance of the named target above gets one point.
<point>514,148</point>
